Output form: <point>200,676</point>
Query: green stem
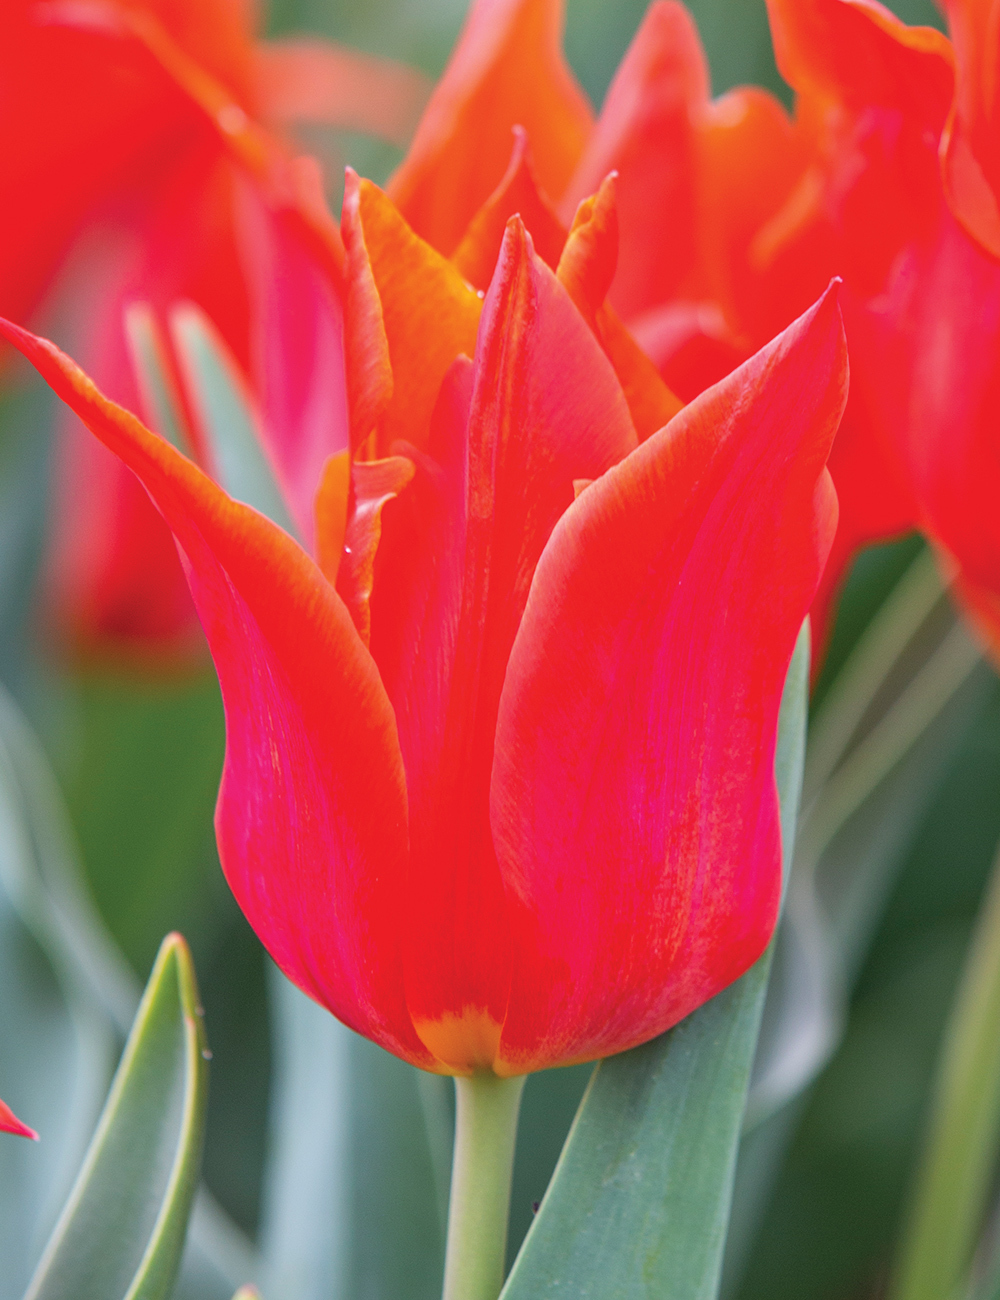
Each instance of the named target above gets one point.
<point>871,662</point>
<point>915,709</point>
<point>955,1175</point>
<point>485,1134</point>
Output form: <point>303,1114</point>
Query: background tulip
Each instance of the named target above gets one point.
<point>166,125</point>
<point>762,209</point>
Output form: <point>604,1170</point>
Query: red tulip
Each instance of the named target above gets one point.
<point>768,208</point>
<point>923,314</point>
<point>9,1123</point>
<point>732,216</point>
<point>499,785</point>
<point>145,137</point>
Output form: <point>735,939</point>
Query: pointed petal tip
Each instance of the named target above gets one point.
<point>824,314</point>
<point>352,190</point>
<point>516,249</point>
<point>9,1123</point>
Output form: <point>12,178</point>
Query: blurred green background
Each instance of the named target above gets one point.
<point>139,760</point>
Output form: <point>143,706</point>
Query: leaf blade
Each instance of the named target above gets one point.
<point>122,1231</point>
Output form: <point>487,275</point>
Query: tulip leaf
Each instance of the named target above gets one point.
<point>639,1202</point>
<point>226,416</point>
<point>825,933</point>
<point>25,444</point>
<point>64,1041</point>
<point>161,403</point>
<point>880,744</point>
<point>68,1001</point>
<point>356,1186</point>
<point>854,833</point>
<point>957,1171</point>
<point>122,1231</point>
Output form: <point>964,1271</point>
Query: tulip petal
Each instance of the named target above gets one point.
<point>876,94</point>
<point>225,414</point>
<point>298,349</point>
<point>926,371</point>
<point>824,46</point>
<point>303,80</point>
<point>429,314</point>
<point>369,369</point>
<point>633,801</point>
<point>476,255</point>
<point>311,818</point>
<point>373,485</point>
<point>507,70</point>
<point>217,36</point>
<point>970,154</point>
<point>873,96</point>
<point>540,408</point>
<point>9,1123</point>
<point>116,587</point>
<point>646,133</point>
<point>586,269</point>
<point>124,109</point>
<point>690,344</point>
<point>751,159</point>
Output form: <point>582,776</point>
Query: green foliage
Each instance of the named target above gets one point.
<point>961,1151</point>
<point>68,1001</point>
<point>122,1231</point>
<point>226,415</point>
<point>356,1185</point>
<point>920,848</point>
<point>141,771</point>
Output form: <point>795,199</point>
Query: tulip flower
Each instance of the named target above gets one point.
<point>498,787</point>
<point>499,783</point>
<point>9,1123</point>
<point>143,141</point>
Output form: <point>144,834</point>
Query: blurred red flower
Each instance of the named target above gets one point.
<point>143,154</point>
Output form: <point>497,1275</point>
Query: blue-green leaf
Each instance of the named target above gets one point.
<point>162,406</point>
<point>122,1232</point>
<point>356,1186</point>
<point>68,1001</point>
<point>879,745</point>
<point>954,1182</point>
<point>639,1202</point>
<point>227,416</point>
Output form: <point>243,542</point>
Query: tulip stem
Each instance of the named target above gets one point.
<point>485,1134</point>
<point>956,1174</point>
